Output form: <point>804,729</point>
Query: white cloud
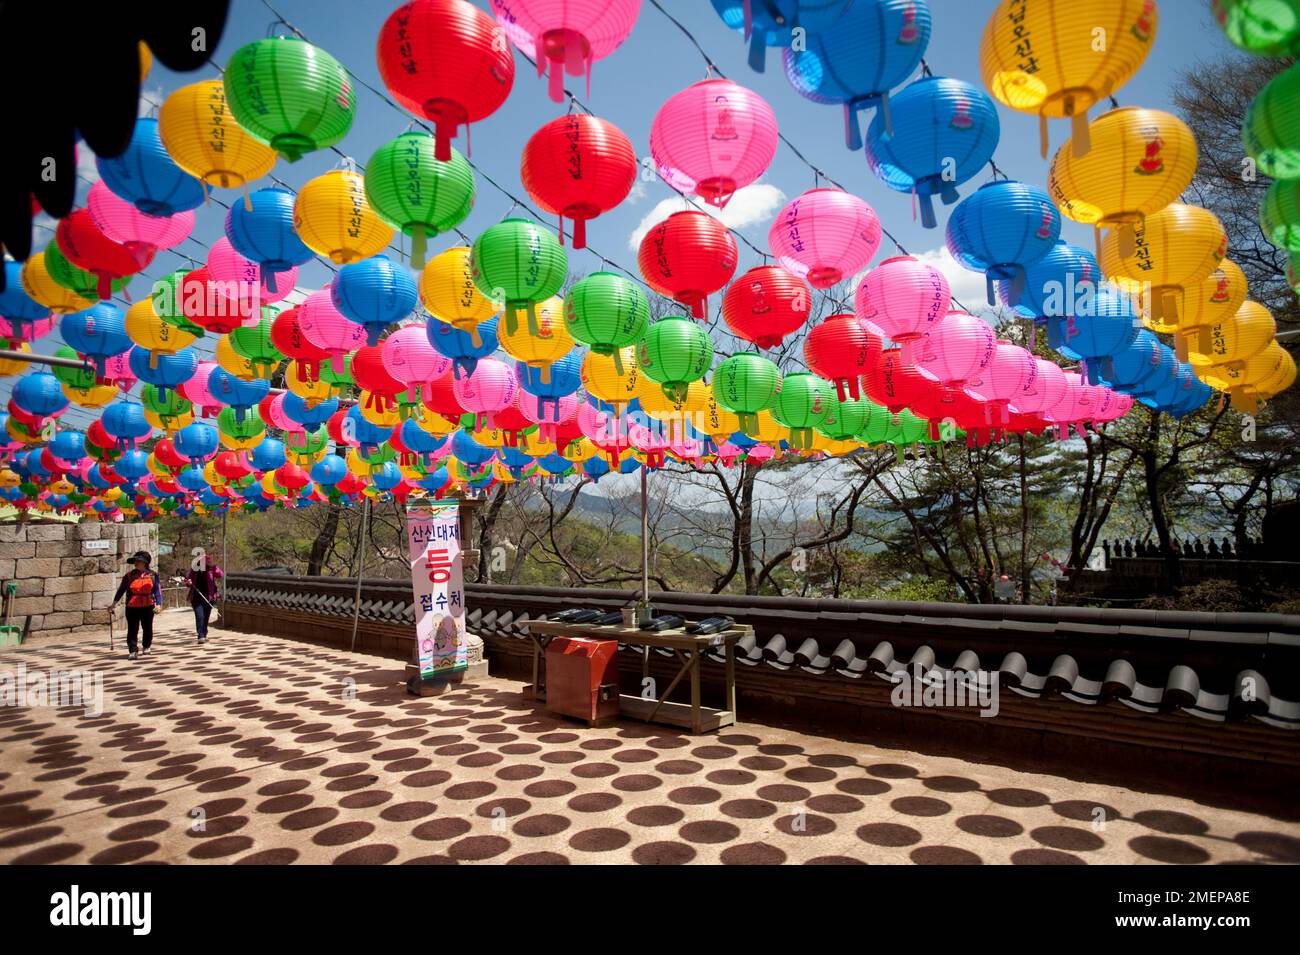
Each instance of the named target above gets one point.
<point>752,204</point>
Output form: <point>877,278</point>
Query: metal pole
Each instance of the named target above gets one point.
<point>361,564</point>
<point>225,570</point>
<point>645,541</point>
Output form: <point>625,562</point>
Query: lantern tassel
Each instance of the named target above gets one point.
<point>747,7</point>
<point>475,339</point>
<point>1042,135</point>
<point>928,221</point>
<point>544,372</point>
<point>444,131</point>
<point>248,199</point>
<point>579,233</point>
<point>697,308</point>
<point>1080,136</point>
<point>852,129</point>
<point>757,52</point>
<point>555,86</point>
<point>887,114</point>
<point>418,246</point>
<point>561,228</point>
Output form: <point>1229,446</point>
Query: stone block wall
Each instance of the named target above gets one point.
<point>67,573</point>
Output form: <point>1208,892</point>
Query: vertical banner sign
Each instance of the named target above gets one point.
<point>433,537</point>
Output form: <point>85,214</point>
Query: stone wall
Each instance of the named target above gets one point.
<point>67,573</point>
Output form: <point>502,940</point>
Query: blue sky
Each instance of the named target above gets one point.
<point>627,89</point>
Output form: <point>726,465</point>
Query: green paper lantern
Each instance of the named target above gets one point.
<point>802,405</point>
<point>228,423</point>
<point>168,409</point>
<point>75,278</point>
<point>290,95</point>
<point>1271,131</point>
<point>518,264</point>
<point>845,418</point>
<point>82,379</point>
<point>675,352</point>
<point>746,384</point>
<point>253,343</point>
<point>607,312</point>
<point>378,457</point>
<point>167,296</point>
<point>1279,214</point>
<point>413,192</point>
<point>1264,27</point>
<point>29,489</point>
<point>305,442</point>
<point>339,379</point>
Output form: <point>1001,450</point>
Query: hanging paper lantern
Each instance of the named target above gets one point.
<point>1055,282</point>
<point>616,378</point>
<point>374,293</point>
<point>842,351</point>
<point>203,138</point>
<point>518,263</point>
<point>166,408</point>
<point>244,281</point>
<point>140,233</point>
<point>125,423</point>
<point>607,312</point>
<point>566,35</point>
<point>205,304</point>
<point>332,217</point>
<point>88,248</point>
<point>825,236</point>
<point>902,299</point>
<point>956,351</point>
<point>489,388</point>
<point>1104,329</point>
<point>1174,249</point>
<point>872,48</point>
<point>712,139</point>
<point>1000,229</point>
<point>1271,130</point>
<point>802,403</point>
<point>765,304</point>
<point>256,344</point>
<point>290,95</point>
<point>410,358</point>
<point>239,395</point>
<point>944,132</point>
<point>1044,58</point>
<point>448,291</point>
<point>164,372</point>
<point>1279,214</point>
<point>1140,161</point>
<point>39,395</point>
<point>262,230</point>
<point>98,332</point>
<point>687,257</point>
<point>548,344</point>
<point>17,307</point>
<point>1246,333</point>
<point>577,167</point>
<point>674,353</point>
<point>324,326</point>
<point>415,192</point>
<point>84,284</point>
<point>146,176</point>
<point>746,384</point>
<point>460,347</point>
<point>240,428</point>
<point>1263,27</point>
<point>43,289</point>
<point>287,336</point>
<point>443,60</point>
<point>1008,375</point>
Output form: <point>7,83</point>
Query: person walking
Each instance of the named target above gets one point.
<point>143,590</point>
<point>202,582</point>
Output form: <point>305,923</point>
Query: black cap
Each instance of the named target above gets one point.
<point>140,555</point>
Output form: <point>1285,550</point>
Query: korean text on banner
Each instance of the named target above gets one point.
<point>433,537</point>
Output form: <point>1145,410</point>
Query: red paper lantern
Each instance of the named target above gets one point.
<point>287,337</point>
<point>447,61</point>
<point>511,421</point>
<point>167,455</point>
<point>897,384</point>
<point>766,304</point>
<point>334,427</point>
<point>80,240</point>
<point>204,304</point>
<point>369,373</point>
<point>687,257</point>
<point>231,465</point>
<point>440,398</point>
<point>842,351</point>
<point>291,477</point>
<point>577,167</point>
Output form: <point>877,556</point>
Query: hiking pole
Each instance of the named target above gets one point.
<point>112,612</point>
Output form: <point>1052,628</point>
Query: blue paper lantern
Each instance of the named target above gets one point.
<point>419,441</point>
<point>1143,365</point>
<point>98,332</point>
<point>96,479</point>
<point>451,342</point>
<point>39,394</point>
<point>146,175</point>
<point>375,292</point>
<point>1000,229</point>
<point>197,441</point>
<point>126,422</point>
<point>595,467</point>
<point>564,377</point>
<point>436,481</point>
<point>1104,329</point>
<point>515,460</point>
<point>192,479</point>
<point>311,418</point>
<point>268,455</point>
<point>469,451</point>
<point>237,393</point>
<point>386,476</point>
<point>264,234</point>
<point>16,306</point>
<point>945,132</point>
<point>1053,284</point>
<point>875,46</point>
<point>365,435</point>
<point>329,470</point>
<point>773,22</point>
<point>163,371</point>
<point>68,446</point>
<point>132,465</point>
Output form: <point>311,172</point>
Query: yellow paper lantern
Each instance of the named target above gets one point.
<point>233,443</point>
<point>1238,337</point>
<point>579,450</point>
<point>1140,161</point>
<point>1174,248</point>
<point>148,330</point>
<point>1205,304</point>
<point>172,424</point>
<point>502,473</point>
<point>312,392</point>
<point>659,406</point>
<point>435,424</point>
<point>1284,378</point>
<point>448,291</point>
<point>548,344</point>
<point>358,465</point>
<point>491,437</point>
<point>213,476</point>
<point>768,430</point>
<point>38,284</point>
<point>9,478</point>
<point>603,379</point>
<point>716,421</point>
<point>1059,58</point>
<point>13,366</point>
<point>333,217</point>
<point>379,412</point>
<point>96,396</point>
<point>1256,379</point>
<point>202,137</point>
<point>233,362</point>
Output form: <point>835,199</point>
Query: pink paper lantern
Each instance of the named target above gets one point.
<point>902,299</point>
<point>327,328</point>
<point>825,236</point>
<point>760,453</point>
<point>1049,389</point>
<point>956,351</point>
<point>712,139</point>
<point>566,35</point>
<point>143,235</point>
<point>117,371</point>
<point>488,389</point>
<point>1112,406</point>
<point>1010,373</point>
<point>548,414</point>
<point>234,272</point>
<point>196,391</point>
<point>276,417</point>
<point>408,357</point>
<point>1074,408</point>
<point>26,331</point>
<point>651,442</point>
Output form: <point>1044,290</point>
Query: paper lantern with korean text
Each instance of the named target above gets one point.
<point>415,192</point>
<point>901,299</point>
<point>674,353</point>
<point>842,351</point>
<point>765,304</point>
<point>1001,229</point>
<point>203,138</point>
<point>566,36</point>
<point>577,167</point>
<point>333,218</point>
<point>687,257</point>
<point>520,264</point>
<point>826,236</point>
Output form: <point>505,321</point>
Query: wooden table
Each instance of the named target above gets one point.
<point>687,647</point>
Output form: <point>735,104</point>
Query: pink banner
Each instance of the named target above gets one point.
<point>433,538</point>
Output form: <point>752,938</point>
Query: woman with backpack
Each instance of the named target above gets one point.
<point>143,591</point>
